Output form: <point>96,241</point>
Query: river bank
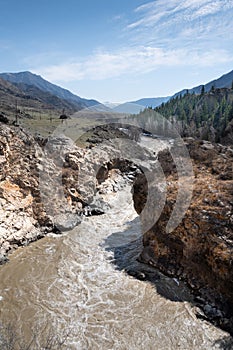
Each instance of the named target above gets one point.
<point>116,235</point>
<point>82,282</point>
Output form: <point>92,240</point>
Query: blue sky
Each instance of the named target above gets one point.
<point>118,50</point>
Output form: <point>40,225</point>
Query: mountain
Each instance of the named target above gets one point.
<point>128,108</point>
<point>30,97</point>
<point>225,81</point>
<point>7,88</point>
<point>10,93</point>
<point>111,105</point>
<point>28,78</point>
<point>152,102</point>
<point>208,115</point>
<point>47,97</point>
<point>136,107</point>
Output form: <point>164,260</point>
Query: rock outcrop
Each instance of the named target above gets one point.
<point>23,161</point>
<point>200,249</point>
<point>48,185</point>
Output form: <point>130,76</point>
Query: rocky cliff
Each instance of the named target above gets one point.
<point>23,159</point>
<point>49,185</point>
<point>200,249</point>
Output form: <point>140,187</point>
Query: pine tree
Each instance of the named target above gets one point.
<point>212,88</point>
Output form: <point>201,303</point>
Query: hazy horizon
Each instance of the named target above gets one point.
<point>121,51</point>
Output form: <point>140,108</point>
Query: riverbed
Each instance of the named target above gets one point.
<point>82,284</point>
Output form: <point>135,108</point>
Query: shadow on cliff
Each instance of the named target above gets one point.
<point>225,343</point>
<point>127,246</point>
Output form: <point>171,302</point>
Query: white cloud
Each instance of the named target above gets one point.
<point>201,7</point>
<point>170,33</point>
<point>158,19</point>
<point>208,9</point>
<point>138,60</point>
<point>118,17</point>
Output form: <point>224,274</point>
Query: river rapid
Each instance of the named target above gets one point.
<point>78,283</point>
<point>83,284</point>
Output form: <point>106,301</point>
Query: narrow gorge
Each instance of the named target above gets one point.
<point>95,273</point>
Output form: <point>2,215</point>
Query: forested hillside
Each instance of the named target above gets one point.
<point>208,115</point>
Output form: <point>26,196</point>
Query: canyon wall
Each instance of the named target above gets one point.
<point>49,185</point>
<point>200,249</point>
<point>23,160</point>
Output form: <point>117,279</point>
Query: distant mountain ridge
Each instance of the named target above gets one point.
<point>37,81</point>
<point>29,97</point>
<point>46,97</point>
<point>29,86</point>
<point>135,107</point>
<point>225,81</point>
<point>151,101</point>
<point>129,108</point>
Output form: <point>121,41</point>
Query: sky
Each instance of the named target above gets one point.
<point>118,50</point>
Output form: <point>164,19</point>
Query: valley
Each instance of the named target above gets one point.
<point>86,204</point>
